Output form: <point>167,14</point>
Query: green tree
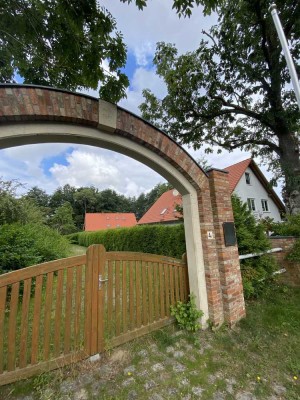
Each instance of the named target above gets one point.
<point>62,43</point>
<point>62,219</point>
<point>10,207</point>
<point>38,196</point>
<point>234,90</point>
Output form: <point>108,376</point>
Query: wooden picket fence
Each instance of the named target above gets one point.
<point>63,311</point>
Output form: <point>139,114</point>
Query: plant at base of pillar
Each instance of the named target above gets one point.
<point>187,315</point>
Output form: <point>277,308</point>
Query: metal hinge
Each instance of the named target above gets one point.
<point>100,281</point>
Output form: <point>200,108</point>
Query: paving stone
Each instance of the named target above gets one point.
<point>156,396</point>
<point>184,382</point>
<point>81,395</point>
<point>157,367</point>
<point>149,385</point>
<point>245,396</point>
<point>170,349</point>
<point>132,395</point>
<point>129,370</point>
<point>189,347</point>
<point>187,397</point>
<point>105,370</point>
<point>279,389</point>
<point>177,367</point>
<point>128,382</point>
<point>153,347</point>
<point>143,353</point>
<point>219,396</point>
<point>172,391</point>
<point>178,354</point>
<point>67,386</point>
<point>197,390</point>
<point>145,361</point>
<point>142,373</point>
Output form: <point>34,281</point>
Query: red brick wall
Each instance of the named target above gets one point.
<point>292,275</point>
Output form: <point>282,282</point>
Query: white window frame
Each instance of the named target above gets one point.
<point>248,178</point>
<point>251,204</point>
<point>265,205</point>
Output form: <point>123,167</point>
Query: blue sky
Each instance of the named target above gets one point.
<point>50,166</point>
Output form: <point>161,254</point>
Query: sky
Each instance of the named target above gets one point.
<point>49,166</point>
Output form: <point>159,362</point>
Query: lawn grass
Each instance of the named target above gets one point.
<point>260,355</point>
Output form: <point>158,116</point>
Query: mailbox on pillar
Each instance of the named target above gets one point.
<point>229,233</point>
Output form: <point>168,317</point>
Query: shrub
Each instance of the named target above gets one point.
<point>294,254</point>
<point>187,315</point>
<point>290,227</point>
<point>29,244</point>
<point>168,240</point>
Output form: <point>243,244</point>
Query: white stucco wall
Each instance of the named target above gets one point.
<point>257,192</point>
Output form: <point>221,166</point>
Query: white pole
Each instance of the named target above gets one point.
<point>286,52</point>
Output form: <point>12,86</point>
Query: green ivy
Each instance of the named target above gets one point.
<point>187,315</point>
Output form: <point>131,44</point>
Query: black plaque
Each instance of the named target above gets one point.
<point>229,233</point>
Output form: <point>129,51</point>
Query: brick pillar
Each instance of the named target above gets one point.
<point>228,257</point>
<point>212,274</point>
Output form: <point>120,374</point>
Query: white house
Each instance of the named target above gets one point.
<point>245,180</point>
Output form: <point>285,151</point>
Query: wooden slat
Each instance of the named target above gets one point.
<point>36,319</point>
<point>156,285</point>
<point>2,315</point>
<point>14,300</point>
<point>24,323</point>
<point>41,269</point>
<point>181,290</point>
<point>88,302</point>
<point>117,299</point>
<point>187,286</point>
<point>77,306</point>
<point>124,296</point>
<point>144,284</point>
<point>161,294</point>
<point>93,258</point>
<point>167,290</point>
<point>138,293</point>
<point>110,285</point>
<point>47,320</point>
<point>101,297</point>
<point>172,286</point>
<point>176,283</point>
<point>150,292</point>
<point>131,295</point>
<point>68,311</point>
<point>58,311</point>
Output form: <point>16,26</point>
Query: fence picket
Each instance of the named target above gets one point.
<point>24,323</point>
<point>131,296</point>
<point>156,302</point>
<point>36,319</point>
<point>77,307</point>
<point>47,320</point>
<point>167,290</point>
<point>58,311</point>
<point>68,310</point>
<point>2,315</point>
<point>124,296</point>
<point>138,294</point>
<point>144,285</point>
<point>150,292</point>
<point>117,300</point>
<point>161,286</point>
<point>12,326</point>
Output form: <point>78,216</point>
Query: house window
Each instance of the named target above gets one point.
<point>251,204</point>
<point>163,211</point>
<point>264,204</point>
<point>247,176</point>
<point>107,217</point>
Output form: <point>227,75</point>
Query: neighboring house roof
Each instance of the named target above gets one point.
<point>236,171</point>
<point>99,221</point>
<point>164,209</point>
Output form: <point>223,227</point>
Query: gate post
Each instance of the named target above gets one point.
<point>228,256</point>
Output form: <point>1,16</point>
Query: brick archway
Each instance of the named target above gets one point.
<point>32,114</point>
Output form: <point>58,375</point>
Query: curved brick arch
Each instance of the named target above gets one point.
<point>31,114</point>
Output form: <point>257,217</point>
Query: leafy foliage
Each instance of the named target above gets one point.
<point>234,90</point>
<point>290,227</point>
<point>25,245</point>
<point>187,315</point>
<point>294,254</point>
<point>64,44</point>
<point>155,239</point>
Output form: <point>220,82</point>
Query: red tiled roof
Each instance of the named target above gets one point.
<point>236,171</point>
<point>163,210</point>
<point>99,221</point>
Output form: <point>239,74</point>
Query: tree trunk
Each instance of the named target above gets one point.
<point>290,164</point>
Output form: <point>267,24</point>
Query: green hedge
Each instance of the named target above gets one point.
<point>168,240</point>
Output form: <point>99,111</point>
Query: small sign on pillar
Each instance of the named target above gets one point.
<point>229,233</point>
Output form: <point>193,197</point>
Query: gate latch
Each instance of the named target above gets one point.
<point>100,281</point>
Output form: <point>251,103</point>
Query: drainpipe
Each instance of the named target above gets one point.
<point>286,52</point>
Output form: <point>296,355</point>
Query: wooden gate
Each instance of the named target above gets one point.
<point>63,311</point>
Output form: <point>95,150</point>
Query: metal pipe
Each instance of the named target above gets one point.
<point>286,51</point>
